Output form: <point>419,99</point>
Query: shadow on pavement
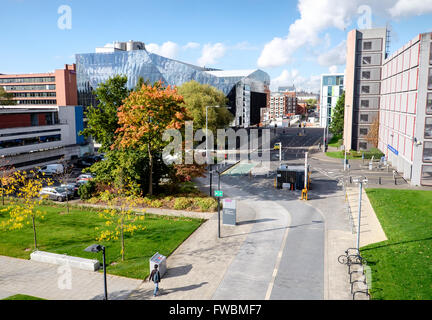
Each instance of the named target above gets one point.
<point>178,271</point>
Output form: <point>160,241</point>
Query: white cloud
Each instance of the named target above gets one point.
<point>333,69</point>
<point>168,49</point>
<point>318,16</point>
<point>403,8</point>
<point>211,53</point>
<point>293,77</point>
<point>315,17</point>
<point>191,45</point>
<point>336,56</point>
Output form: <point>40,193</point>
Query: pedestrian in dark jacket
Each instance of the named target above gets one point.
<point>155,277</point>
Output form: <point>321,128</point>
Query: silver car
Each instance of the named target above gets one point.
<point>54,193</point>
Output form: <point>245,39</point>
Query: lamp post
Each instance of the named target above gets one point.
<point>97,248</point>
<point>207,155</point>
<point>207,148</point>
<point>360,181</point>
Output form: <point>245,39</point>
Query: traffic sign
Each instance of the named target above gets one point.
<point>218,193</point>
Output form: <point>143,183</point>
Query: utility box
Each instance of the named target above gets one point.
<point>160,260</point>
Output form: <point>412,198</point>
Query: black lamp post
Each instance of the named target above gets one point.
<point>97,248</point>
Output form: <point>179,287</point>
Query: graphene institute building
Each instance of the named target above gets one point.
<point>247,90</point>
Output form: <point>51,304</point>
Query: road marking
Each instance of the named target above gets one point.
<point>275,271</point>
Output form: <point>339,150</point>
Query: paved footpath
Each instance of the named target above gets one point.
<point>54,282</point>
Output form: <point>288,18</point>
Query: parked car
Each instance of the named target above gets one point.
<point>54,193</point>
<point>52,169</point>
<point>84,176</point>
<point>72,189</point>
<point>84,162</point>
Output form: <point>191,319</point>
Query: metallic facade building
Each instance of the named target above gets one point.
<point>246,89</point>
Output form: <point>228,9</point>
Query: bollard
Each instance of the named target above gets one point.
<point>379,180</point>
<point>350,179</point>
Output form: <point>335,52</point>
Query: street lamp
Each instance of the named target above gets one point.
<point>360,181</point>
<point>95,248</point>
<point>207,153</point>
<point>207,157</point>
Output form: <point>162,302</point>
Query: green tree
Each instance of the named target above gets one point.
<point>337,124</point>
<point>311,104</point>
<point>6,98</point>
<point>102,119</point>
<point>197,96</point>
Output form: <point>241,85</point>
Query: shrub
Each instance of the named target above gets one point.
<point>206,204</point>
<point>106,196</point>
<point>87,190</point>
<point>156,203</point>
<point>182,203</point>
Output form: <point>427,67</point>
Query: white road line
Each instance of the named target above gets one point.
<point>275,271</point>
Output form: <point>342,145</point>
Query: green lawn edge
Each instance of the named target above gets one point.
<point>401,267</point>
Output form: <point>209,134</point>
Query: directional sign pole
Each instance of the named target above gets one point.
<point>218,205</point>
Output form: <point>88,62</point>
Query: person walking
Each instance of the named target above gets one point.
<point>155,277</point>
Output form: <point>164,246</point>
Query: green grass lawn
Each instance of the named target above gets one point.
<point>71,233</point>
<point>355,154</point>
<point>402,265</point>
<point>22,297</point>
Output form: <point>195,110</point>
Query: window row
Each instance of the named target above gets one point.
<point>30,87</point>
<point>27,80</point>
<point>33,94</point>
<point>31,102</point>
<point>28,141</point>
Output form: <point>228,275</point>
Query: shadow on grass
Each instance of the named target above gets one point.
<point>396,244</point>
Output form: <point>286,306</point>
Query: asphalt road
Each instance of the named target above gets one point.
<point>283,257</point>
<point>295,141</point>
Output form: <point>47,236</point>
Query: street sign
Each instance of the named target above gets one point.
<point>229,212</point>
<point>218,193</point>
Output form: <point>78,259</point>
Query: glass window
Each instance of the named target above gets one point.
<point>430,55</point>
<point>364,117</point>
<point>366,75</point>
<point>364,103</point>
<point>430,79</point>
<point>429,103</point>
<point>34,119</point>
<point>363,131</point>
<point>427,151</point>
<point>426,178</point>
<point>367,45</point>
<point>428,128</point>
<point>366,60</point>
<point>365,89</point>
<point>363,145</point>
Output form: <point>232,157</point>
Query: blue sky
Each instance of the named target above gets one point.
<point>293,41</point>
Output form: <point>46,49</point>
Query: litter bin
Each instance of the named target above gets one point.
<point>160,260</point>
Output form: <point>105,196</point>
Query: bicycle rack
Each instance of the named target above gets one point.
<point>352,260</point>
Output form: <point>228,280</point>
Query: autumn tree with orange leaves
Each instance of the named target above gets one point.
<point>144,116</point>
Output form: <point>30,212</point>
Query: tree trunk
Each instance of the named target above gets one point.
<point>122,240</point>
<point>151,170</point>
<point>34,231</point>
